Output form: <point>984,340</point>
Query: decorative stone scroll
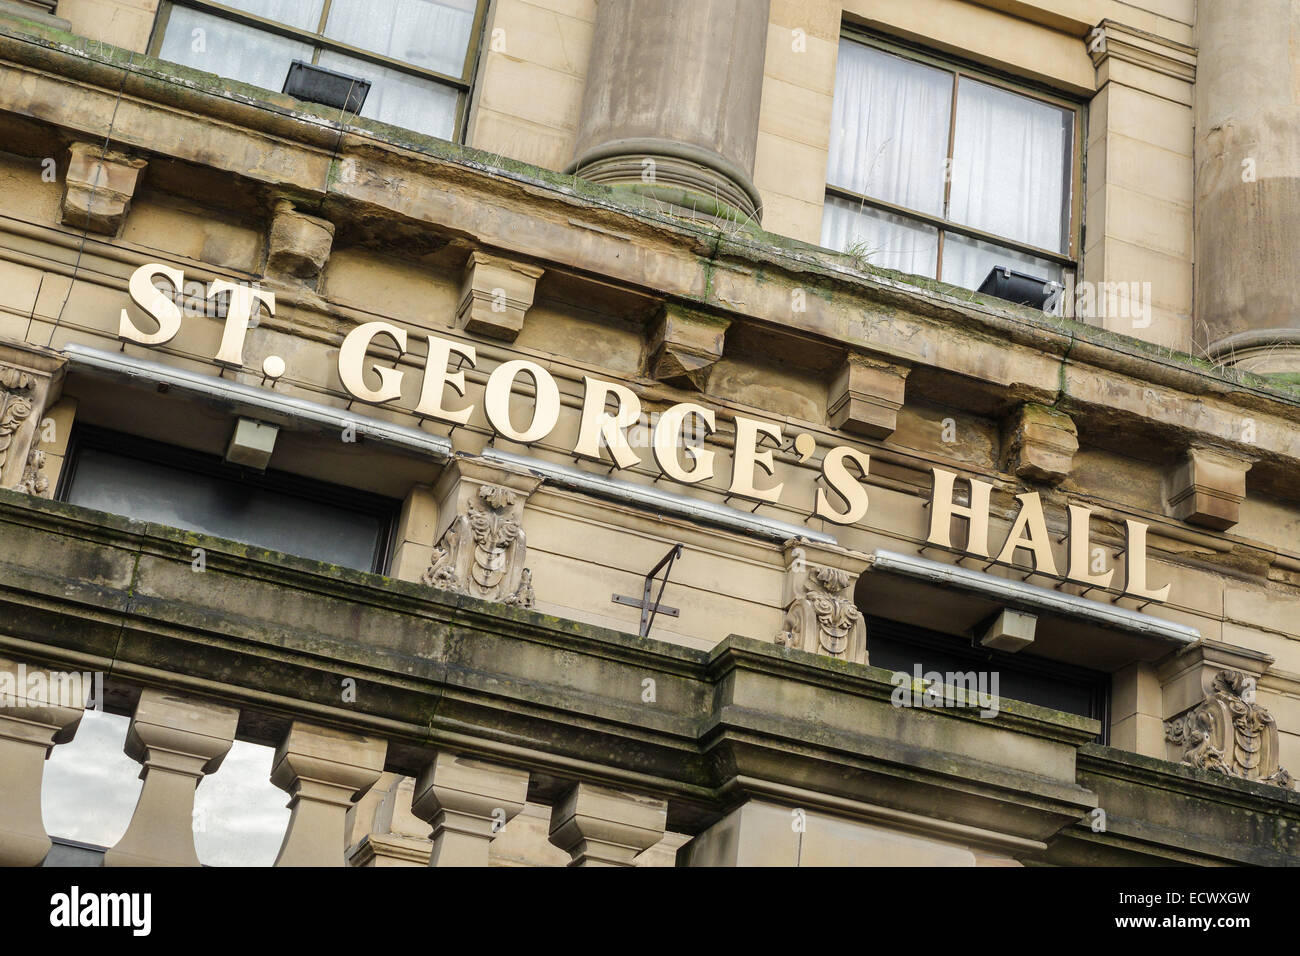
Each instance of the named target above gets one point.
<point>820,614</point>
<point>1230,733</point>
<point>482,552</point>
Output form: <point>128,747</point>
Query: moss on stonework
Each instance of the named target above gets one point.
<point>744,240</point>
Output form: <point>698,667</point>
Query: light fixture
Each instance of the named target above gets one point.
<point>252,444</point>
<point>1011,631</point>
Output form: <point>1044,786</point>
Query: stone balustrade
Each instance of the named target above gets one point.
<point>751,751</point>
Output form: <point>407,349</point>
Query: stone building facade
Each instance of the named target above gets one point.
<point>598,449</point>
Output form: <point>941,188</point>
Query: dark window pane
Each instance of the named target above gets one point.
<point>1024,677</point>
<point>400,99</point>
<point>225,507</point>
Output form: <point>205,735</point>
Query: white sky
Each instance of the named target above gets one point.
<point>91,787</point>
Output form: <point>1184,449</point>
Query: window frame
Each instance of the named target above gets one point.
<point>387,510</point>
<point>1070,260</point>
<point>463,84</point>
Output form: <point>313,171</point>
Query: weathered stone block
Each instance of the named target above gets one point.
<point>495,296</point>
<point>866,394</point>
<point>1208,488</point>
<point>1041,443</point>
<point>299,245</point>
<point>98,187</point>
<point>685,345</point>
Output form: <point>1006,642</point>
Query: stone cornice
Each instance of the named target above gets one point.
<point>273,144</point>
<point>1146,50</point>
<point>1259,824</point>
<point>264,632</point>
<point>275,635</point>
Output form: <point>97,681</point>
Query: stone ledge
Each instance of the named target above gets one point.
<point>525,689</point>
<point>1157,811</point>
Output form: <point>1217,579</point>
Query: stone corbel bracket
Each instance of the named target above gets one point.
<point>820,614</point>
<point>866,394</point>
<point>298,246</point>
<point>31,379</point>
<point>685,344</point>
<point>1040,443</point>
<point>482,548</point>
<point>98,187</point>
<point>495,296</point>
<point>1209,487</point>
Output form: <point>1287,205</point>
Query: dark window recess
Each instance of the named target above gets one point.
<point>182,489</point>
<point>1024,677</point>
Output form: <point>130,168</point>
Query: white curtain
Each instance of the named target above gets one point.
<point>233,50</point>
<point>889,128</point>
<point>879,238</point>
<point>303,14</point>
<point>433,34</point>
<point>1011,161</point>
<point>411,102</point>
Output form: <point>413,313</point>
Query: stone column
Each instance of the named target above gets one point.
<point>599,826</point>
<point>468,802</point>
<point>672,98</point>
<point>1248,182</point>
<point>324,771</point>
<point>179,739</point>
<point>30,725</point>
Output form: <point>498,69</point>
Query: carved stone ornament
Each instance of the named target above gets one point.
<point>482,553</point>
<point>31,381</point>
<point>1229,733</point>
<point>823,618</point>
<point>35,481</point>
<point>16,406</point>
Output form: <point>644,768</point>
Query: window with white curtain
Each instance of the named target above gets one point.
<point>941,172</point>
<point>417,54</point>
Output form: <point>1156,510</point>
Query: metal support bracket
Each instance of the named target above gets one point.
<point>650,608</point>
